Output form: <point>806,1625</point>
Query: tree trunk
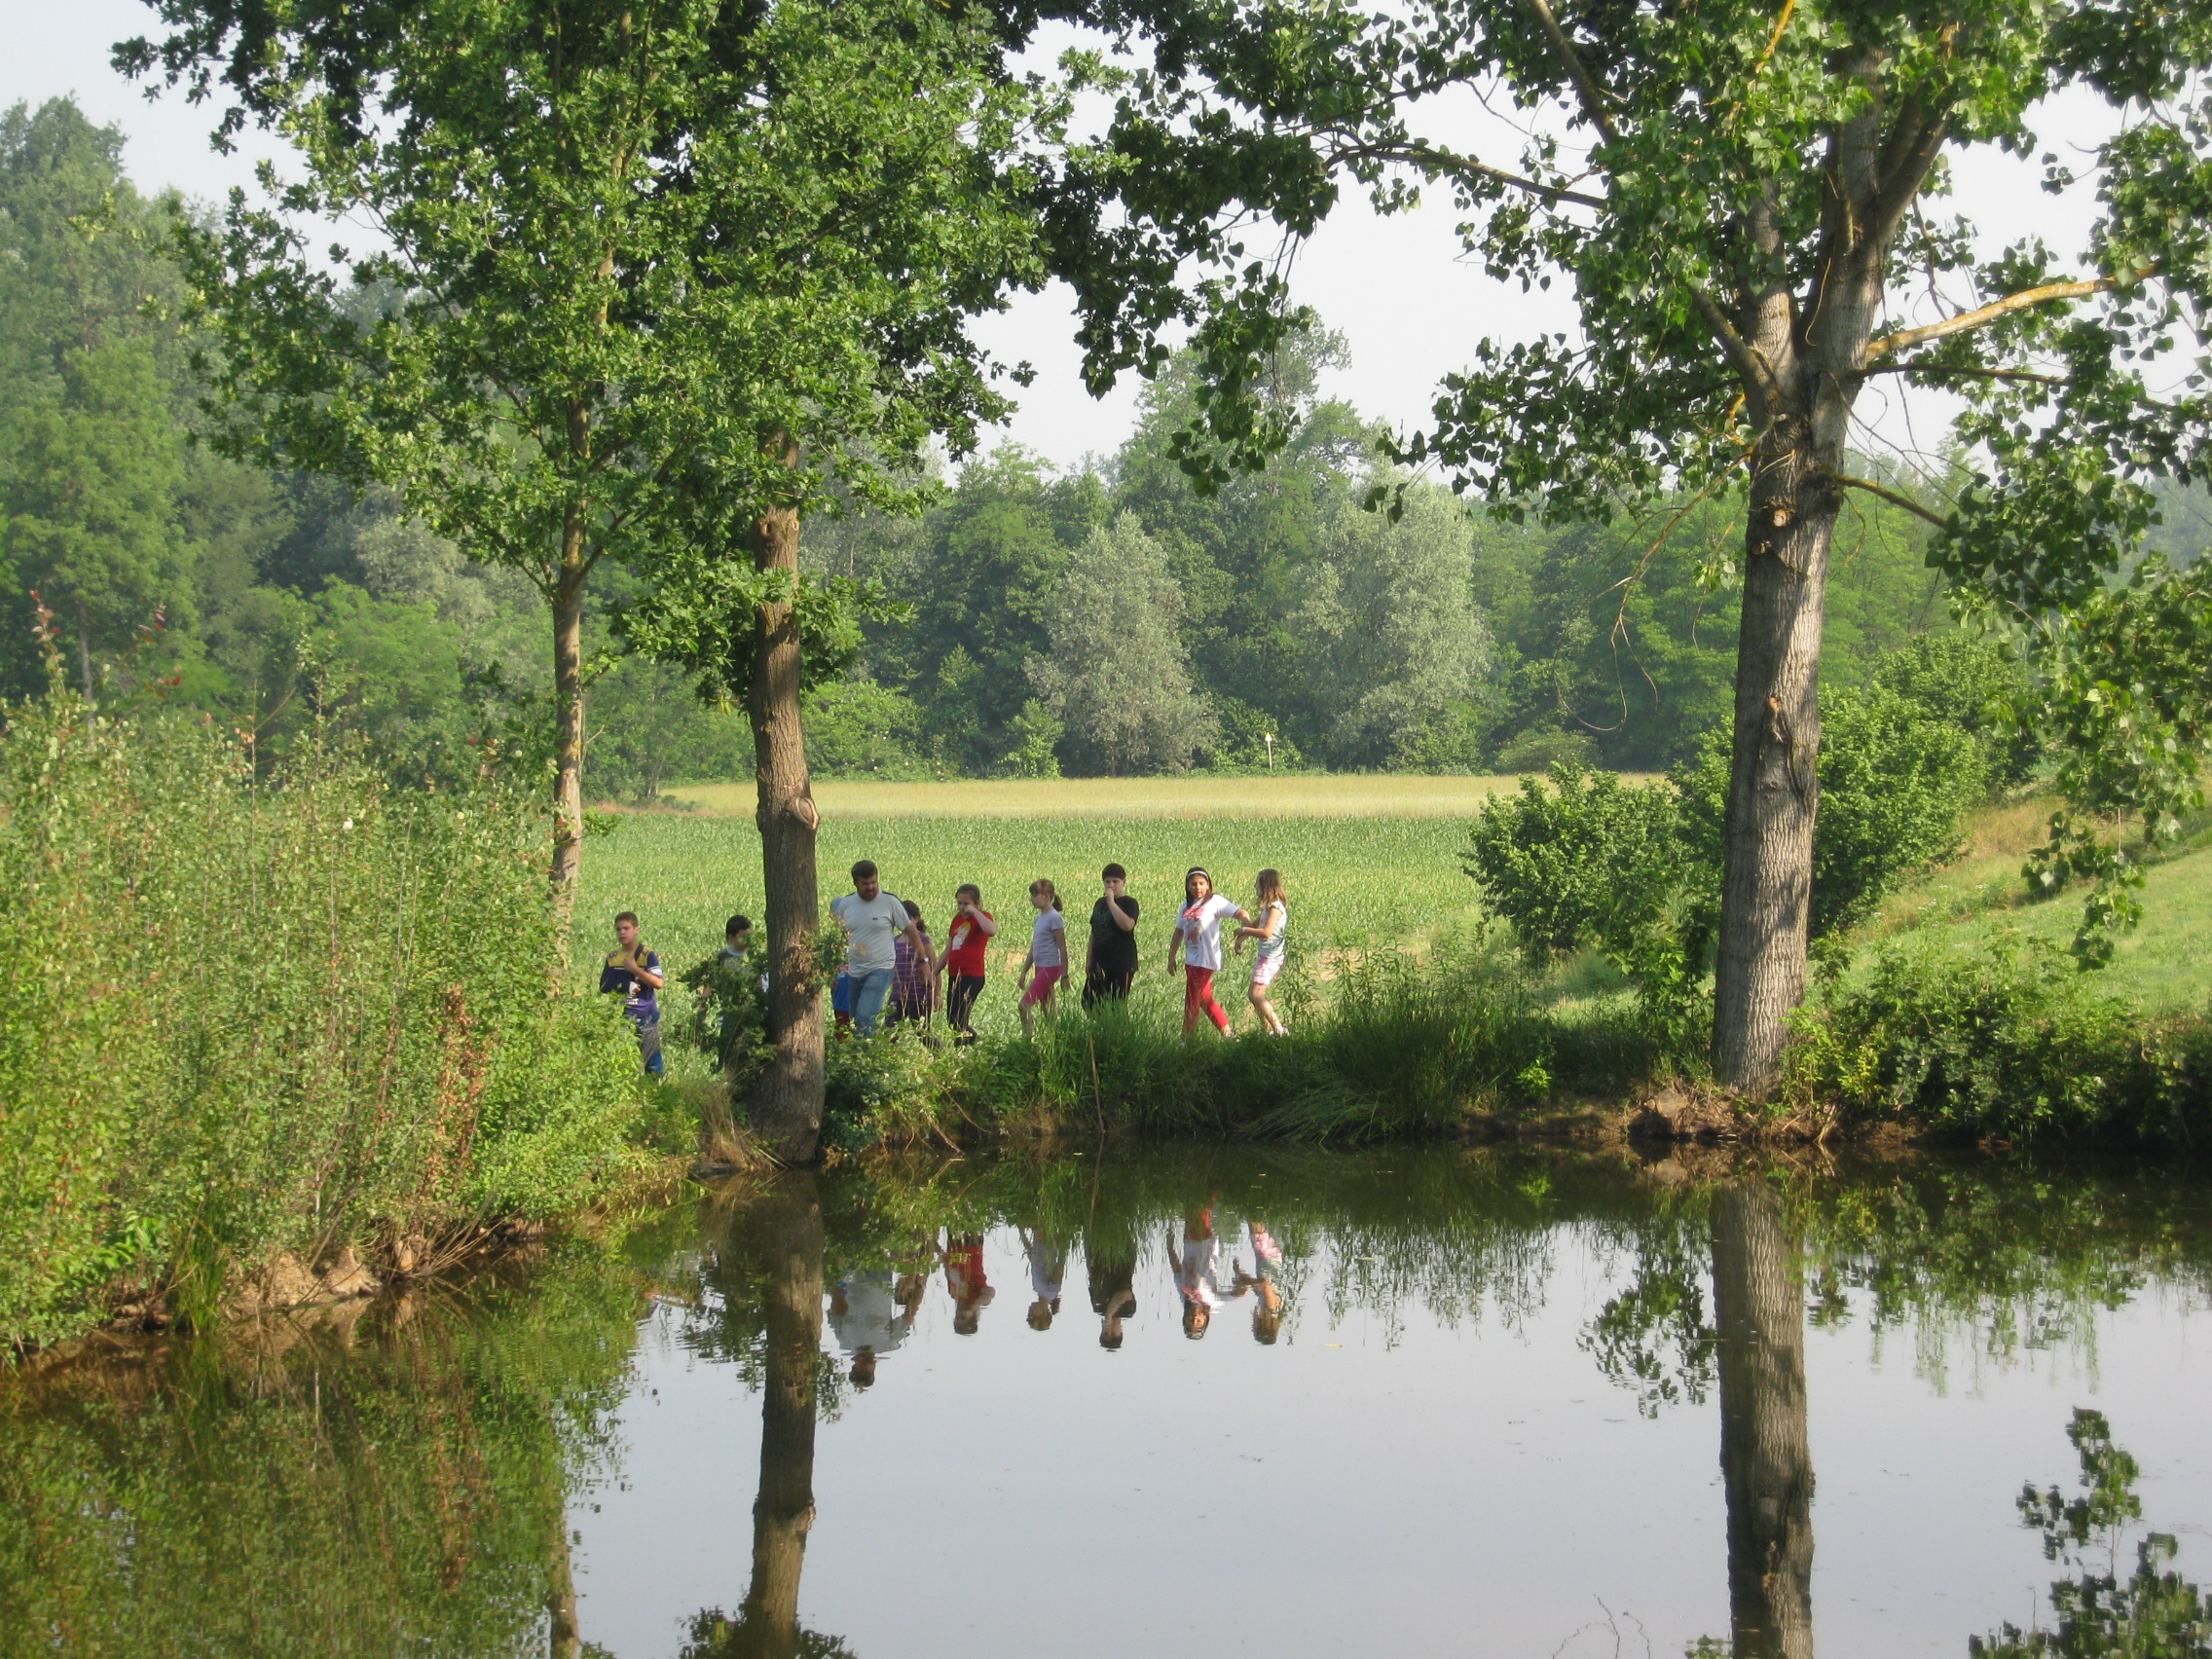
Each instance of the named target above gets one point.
<point>787,1101</point>
<point>568,719</point>
<point>786,1225</point>
<point>1773,783</point>
<point>1766,1461</point>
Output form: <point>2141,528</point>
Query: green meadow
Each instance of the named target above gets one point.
<point>1354,883</point>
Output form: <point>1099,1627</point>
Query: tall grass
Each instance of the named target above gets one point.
<point>247,1017</point>
<point>1404,1046</point>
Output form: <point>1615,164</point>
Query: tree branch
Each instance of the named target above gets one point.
<point>1466,166</point>
<point>1965,369</point>
<point>2006,307</point>
<point>1892,496</point>
<point>1585,89</point>
<point>1753,369</point>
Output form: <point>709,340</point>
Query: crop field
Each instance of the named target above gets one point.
<point>1352,882</point>
<point>1356,794</point>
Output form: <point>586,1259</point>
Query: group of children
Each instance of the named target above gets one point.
<point>893,966</point>
<point>892,963</point>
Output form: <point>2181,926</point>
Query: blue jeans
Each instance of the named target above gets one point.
<point>869,991</point>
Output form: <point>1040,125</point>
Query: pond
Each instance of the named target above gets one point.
<point>1449,1402</point>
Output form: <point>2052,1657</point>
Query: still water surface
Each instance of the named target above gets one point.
<point>1440,1402</point>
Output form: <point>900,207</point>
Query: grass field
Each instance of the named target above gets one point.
<point>1300,796</point>
<point>1352,882</point>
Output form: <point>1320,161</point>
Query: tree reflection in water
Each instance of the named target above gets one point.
<point>2153,1613</point>
<point>1766,1461</point>
<point>784,1232</point>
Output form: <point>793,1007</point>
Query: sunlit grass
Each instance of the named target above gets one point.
<point>1285,796</point>
<point>1354,883</point>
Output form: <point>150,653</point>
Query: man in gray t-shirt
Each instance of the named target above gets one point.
<point>873,920</point>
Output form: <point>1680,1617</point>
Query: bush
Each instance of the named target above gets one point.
<point>2011,1039</point>
<point>242,1018</point>
<point>1895,785</point>
<point>1582,861</point>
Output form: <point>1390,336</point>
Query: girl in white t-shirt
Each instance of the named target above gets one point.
<point>1268,930</point>
<point>1197,932</point>
<point>1048,952</point>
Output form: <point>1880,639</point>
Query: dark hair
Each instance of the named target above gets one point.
<point>1043,884</point>
<point>1189,877</point>
<point>737,925</point>
<point>621,917</point>
<point>913,911</point>
<point>863,869</point>
<point>1113,872</point>
<point>965,889</point>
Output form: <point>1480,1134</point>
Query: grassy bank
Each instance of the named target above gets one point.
<point>249,1016</point>
<point>1961,1018</point>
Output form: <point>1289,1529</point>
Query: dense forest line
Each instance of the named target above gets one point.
<point>1108,621</point>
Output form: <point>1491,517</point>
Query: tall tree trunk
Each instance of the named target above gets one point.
<point>1766,1461</point>
<point>786,1225</point>
<point>1773,783</point>
<point>1806,362</point>
<point>568,719</point>
<point>787,1101</point>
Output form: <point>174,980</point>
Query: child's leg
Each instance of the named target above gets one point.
<point>1204,978</point>
<point>1193,994</point>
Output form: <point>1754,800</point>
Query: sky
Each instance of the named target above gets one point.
<point>1401,290</point>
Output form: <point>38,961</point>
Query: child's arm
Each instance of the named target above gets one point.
<point>648,977</point>
<point>988,925</point>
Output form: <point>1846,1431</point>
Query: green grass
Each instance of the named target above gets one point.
<point>1369,794</point>
<point>1354,883</point>
<point>2164,963</point>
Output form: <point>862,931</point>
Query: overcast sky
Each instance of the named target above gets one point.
<point>1400,289</point>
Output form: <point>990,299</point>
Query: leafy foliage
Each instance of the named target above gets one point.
<point>246,1017</point>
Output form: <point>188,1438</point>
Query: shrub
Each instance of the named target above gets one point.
<point>1895,784</point>
<point>2008,1040</point>
<point>1584,861</point>
<point>247,1017</point>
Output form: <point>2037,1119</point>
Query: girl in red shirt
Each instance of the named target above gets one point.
<point>966,960</point>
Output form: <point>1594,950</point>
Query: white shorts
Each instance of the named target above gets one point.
<point>1265,970</point>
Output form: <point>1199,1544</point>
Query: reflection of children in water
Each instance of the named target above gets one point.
<point>1047,1266</point>
<point>1197,1273</point>
<point>971,1292</point>
<point>1267,1295</point>
<point>1112,1274</point>
<point>872,1311</point>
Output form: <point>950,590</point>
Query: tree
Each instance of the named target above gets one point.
<point>655,282</point>
<point>1390,657</point>
<point>91,452</point>
<point>1115,675</point>
<point>87,482</point>
<point>1738,200</point>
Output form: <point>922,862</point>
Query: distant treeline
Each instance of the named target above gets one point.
<point>1106,621</point>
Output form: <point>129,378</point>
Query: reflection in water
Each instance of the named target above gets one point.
<point>965,1279</point>
<point>376,1480</point>
<point>783,1233</point>
<point>1112,1270</point>
<point>2154,1614</point>
<point>783,1226</point>
<point>1766,1461</point>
